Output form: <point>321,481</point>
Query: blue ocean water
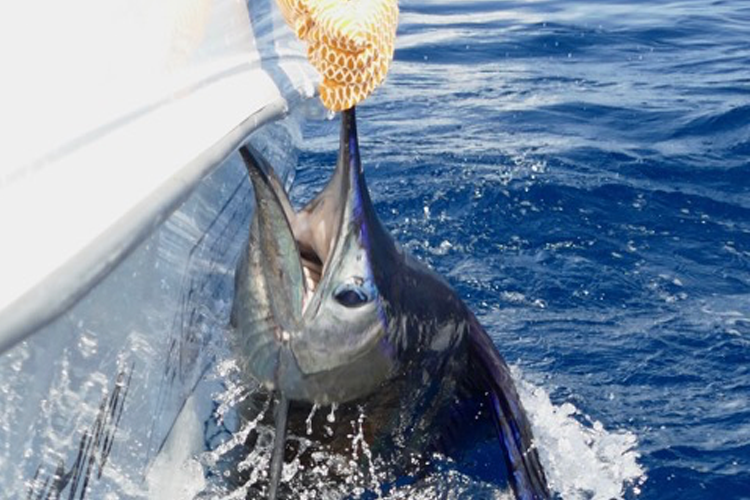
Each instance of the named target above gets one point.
<point>580,173</point>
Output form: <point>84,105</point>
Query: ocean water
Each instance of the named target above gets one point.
<point>580,172</point>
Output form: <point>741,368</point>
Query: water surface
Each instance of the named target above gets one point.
<point>581,174</point>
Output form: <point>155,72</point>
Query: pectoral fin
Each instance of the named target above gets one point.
<point>491,374</point>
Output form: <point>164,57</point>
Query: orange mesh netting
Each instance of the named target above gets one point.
<point>350,42</point>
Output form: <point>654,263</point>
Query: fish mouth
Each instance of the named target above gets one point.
<point>310,278</point>
<point>312,233</point>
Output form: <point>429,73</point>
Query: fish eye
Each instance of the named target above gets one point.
<point>351,295</point>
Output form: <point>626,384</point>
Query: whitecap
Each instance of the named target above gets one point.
<point>581,458</point>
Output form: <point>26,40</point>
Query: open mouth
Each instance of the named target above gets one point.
<point>314,244</point>
<point>312,269</point>
<point>317,227</point>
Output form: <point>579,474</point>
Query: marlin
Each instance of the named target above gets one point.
<point>328,309</point>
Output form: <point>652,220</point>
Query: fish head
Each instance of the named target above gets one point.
<point>309,307</point>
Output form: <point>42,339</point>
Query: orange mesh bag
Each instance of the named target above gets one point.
<point>349,42</point>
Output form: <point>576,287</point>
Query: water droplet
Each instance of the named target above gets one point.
<point>332,415</point>
<point>310,417</point>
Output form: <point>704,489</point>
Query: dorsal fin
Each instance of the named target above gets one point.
<point>526,473</point>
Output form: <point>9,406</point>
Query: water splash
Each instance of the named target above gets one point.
<point>581,461</point>
<point>235,393</point>
<point>360,446</point>
<point>238,438</point>
<point>331,419</point>
<point>309,420</point>
<point>332,416</point>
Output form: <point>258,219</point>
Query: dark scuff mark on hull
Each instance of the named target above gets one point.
<point>72,482</point>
